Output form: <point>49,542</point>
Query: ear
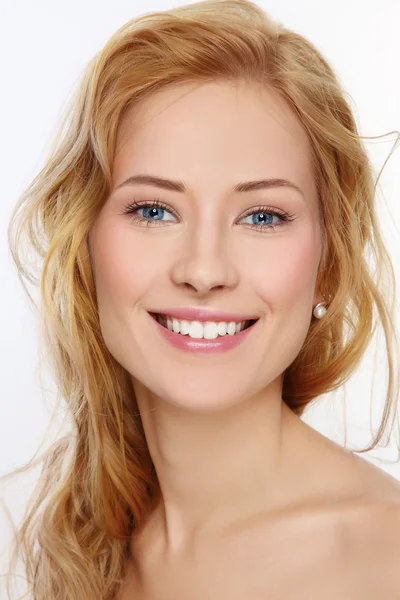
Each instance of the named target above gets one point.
<point>318,298</point>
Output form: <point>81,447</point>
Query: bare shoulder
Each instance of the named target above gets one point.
<point>378,510</point>
<point>352,528</point>
<point>369,499</point>
<point>370,548</point>
<point>367,534</point>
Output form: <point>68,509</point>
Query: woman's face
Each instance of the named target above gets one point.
<point>208,246</point>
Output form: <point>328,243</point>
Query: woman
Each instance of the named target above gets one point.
<point>206,215</point>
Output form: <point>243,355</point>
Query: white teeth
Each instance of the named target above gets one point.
<point>196,329</point>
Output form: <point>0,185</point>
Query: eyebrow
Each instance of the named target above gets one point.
<point>179,186</point>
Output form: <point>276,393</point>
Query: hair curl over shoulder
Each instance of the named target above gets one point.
<point>99,485</point>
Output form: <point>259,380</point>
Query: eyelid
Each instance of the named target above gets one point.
<point>265,208</point>
<point>152,202</point>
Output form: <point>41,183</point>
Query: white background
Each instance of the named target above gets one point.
<point>44,45</point>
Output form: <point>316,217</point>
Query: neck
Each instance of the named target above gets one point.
<point>216,468</point>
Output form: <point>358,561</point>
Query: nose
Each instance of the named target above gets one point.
<point>205,262</point>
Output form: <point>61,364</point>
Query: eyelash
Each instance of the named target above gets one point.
<point>129,209</point>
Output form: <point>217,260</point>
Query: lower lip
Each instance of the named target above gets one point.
<point>201,345</point>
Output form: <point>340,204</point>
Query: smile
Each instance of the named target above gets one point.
<point>203,337</point>
<point>209,330</point>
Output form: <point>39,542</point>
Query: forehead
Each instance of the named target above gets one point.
<point>211,132</point>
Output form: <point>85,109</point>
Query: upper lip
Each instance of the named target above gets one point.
<point>203,314</point>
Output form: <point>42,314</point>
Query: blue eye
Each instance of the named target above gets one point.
<point>155,213</point>
<point>155,210</point>
<point>266,218</point>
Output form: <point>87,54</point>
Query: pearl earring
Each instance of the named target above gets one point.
<point>319,310</point>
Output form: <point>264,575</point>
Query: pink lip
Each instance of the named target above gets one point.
<point>203,314</point>
<point>201,345</point>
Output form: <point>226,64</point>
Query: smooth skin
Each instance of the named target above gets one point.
<point>255,503</point>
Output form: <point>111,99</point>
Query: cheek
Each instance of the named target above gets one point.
<point>286,271</point>
<point>125,266</point>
